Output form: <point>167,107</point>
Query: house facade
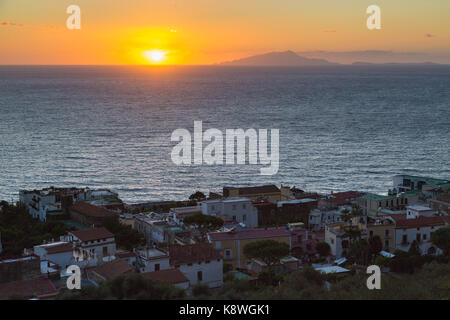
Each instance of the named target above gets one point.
<point>231,244</point>
<point>199,263</point>
<point>96,242</point>
<point>236,209</point>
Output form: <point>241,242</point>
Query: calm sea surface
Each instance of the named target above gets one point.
<point>341,128</point>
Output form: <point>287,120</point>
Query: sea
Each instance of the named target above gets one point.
<point>340,127</point>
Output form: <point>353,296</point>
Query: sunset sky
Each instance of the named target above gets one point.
<point>207,31</point>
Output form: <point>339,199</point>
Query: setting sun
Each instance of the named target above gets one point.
<point>155,56</point>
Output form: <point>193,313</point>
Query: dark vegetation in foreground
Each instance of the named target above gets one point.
<point>432,281</point>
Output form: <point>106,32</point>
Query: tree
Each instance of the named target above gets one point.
<point>203,223</point>
<point>441,239</point>
<point>128,287</point>
<point>375,245</point>
<point>268,251</point>
<point>359,251</point>
<point>323,249</point>
<point>20,230</point>
<point>126,237</point>
<point>197,196</point>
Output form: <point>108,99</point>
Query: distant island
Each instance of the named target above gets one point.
<point>285,58</point>
<point>292,59</point>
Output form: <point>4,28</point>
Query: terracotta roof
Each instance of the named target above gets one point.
<point>123,255</point>
<point>92,234</point>
<point>193,253</point>
<point>258,189</point>
<point>401,222</point>
<point>65,247</point>
<point>33,288</point>
<point>170,275</point>
<point>346,195</point>
<point>91,210</point>
<point>112,269</point>
<point>250,234</point>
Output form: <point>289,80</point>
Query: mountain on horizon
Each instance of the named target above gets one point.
<point>278,59</point>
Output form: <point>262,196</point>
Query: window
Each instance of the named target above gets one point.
<point>386,244</point>
<point>234,218</point>
<point>244,217</point>
<point>213,207</point>
<point>157,267</point>
<point>405,238</point>
<point>424,236</point>
<point>105,251</point>
<point>386,233</point>
<point>332,241</point>
<point>299,238</point>
<point>344,244</point>
<point>234,207</point>
<point>371,233</point>
<point>199,276</point>
<point>244,206</point>
<point>418,237</point>
<point>228,253</point>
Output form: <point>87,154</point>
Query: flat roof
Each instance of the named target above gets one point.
<point>331,269</point>
<point>419,208</point>
<point>297,201</point>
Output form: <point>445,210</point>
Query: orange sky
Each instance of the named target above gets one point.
<point>207,31</point>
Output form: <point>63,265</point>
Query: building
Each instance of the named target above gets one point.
<point>231,243</point>
<point>179,213</point>
<point>37,288</point>
<point>110,270</point>
<point>267,212</point>
<point>200,263</point>
<point>336,199</point>
<point>152,259</point>
<point>172,276</point>
<point>441,203</point>
<point>159,229</point>
<point>128,257</point>
<point>268,192</point>
<point>52,203</point>
<point>89,214</point>
<point>295,210</point>
<point>411,229</point>
<point>286,265</point>
<point>59,253</point>
<point>407,183</point>
<point>235,209</point>
<point>19,268</point>
<point>97,242</point>
<point>320,217</point>
<point>338,238</point>
<point>416,211</point>
<point>383,227</point>
<point>371,204</point>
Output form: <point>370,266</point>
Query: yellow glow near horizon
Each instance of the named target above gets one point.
<point>155,56</point>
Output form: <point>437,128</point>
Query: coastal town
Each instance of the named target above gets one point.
<point>257,235</point>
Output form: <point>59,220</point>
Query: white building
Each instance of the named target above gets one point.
<point>200,263</point>
<point>236,209</point>
<point>97,242</point>
<point>60,253</point>
<point>41,202</point>
<point>417,210</point>
<point>417,229</point>
<point>152,259</point>
<point>338,239</point>
<point>320,217</point>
